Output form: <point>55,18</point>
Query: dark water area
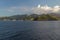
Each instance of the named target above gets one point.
<point>29,30</point>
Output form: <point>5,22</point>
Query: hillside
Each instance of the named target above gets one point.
<point>34,17</point>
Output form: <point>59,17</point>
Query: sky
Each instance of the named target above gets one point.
<point>18,7</point>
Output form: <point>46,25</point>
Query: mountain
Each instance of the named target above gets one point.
<point>55,14</point>
<point>34,17</point>
<point>23,16</point>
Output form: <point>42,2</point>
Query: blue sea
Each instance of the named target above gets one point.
<point>29,30</point>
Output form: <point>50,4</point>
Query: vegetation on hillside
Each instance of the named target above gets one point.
<point>33,17</point>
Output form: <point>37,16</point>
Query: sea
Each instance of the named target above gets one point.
<point>29,30</point>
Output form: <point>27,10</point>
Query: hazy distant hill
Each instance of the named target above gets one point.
<point>55,14</point>
<point>23,16</point>
<point>34,15</point>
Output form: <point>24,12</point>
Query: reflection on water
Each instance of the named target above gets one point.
<point>28,30</point>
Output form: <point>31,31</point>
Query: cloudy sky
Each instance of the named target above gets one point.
<point>13,7</point>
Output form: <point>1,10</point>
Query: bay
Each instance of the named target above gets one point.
<point>29,30</point>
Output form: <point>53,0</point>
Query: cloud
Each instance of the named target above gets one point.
<point>18,9</point>
<point>46,9</point>
<point>36,10</point>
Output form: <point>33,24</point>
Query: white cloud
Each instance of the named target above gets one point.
<point>46,9</point>
<point>18,9</point>
<point>37,10</point>
<point>38,6</point>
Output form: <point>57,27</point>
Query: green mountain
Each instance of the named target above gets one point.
<point>34,17</point>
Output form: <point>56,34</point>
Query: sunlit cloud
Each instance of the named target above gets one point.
<point>46,9</point>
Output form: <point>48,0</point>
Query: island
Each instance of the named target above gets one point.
<point>33,17</point>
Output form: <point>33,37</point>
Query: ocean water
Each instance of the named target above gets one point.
<point>29,30</point>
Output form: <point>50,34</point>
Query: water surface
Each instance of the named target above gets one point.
<point>29,30</point>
